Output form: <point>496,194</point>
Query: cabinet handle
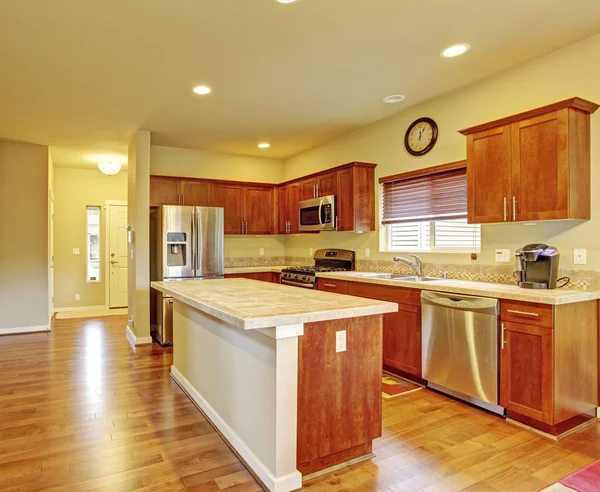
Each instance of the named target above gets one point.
<point>183,198</point>
<point>523,313</point>
<point>330,285</point>
<point>514,208</point>
<point>337,222</point>
<point>504,209</point>
<point>318,193</point>
<point>246,227</point>
<point>242,227</point>
<point>502,338</point>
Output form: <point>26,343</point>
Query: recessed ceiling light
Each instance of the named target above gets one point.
<point>264,145</point>
<point>456,50</point>
<point>202,90</point>
<point>285,1</point>
<point>394,98</point>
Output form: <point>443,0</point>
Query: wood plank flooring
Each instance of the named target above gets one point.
<point>81,410</point>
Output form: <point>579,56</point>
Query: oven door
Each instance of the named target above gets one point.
<point>318,214</point>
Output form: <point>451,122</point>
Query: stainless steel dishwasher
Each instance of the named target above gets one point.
<point>460,347</point>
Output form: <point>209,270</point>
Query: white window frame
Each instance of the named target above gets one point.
<point>98,279</point>
<point>386,242</point>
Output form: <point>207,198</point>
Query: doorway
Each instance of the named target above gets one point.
<point>116,213</point>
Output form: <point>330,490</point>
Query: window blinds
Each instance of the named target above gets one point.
<point>437,196</point>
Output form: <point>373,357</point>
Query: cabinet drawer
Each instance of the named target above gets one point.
<point>527,313</point>
<point>400,295</point>
<point>330,285</point>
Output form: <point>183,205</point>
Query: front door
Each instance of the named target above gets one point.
<point>117,250</point>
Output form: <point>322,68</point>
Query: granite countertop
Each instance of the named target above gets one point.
<point>254,269</point>
<point>484,289</point>
<point>251,304</point>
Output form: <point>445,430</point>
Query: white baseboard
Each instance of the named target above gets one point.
<point>287,483</point>
<point>24,329</point>
<point>79,308</point>
<point>136,340</point>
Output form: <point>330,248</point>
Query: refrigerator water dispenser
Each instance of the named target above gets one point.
<point>176,248</point>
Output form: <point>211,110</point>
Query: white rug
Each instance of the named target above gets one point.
<point>91,313</point>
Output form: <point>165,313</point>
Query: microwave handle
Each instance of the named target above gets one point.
<point>321,213</point>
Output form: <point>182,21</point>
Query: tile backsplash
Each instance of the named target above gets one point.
<point>503,274</point>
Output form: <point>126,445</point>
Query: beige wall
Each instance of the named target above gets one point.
<point>565,73</point>
<point>170,161</point>
<point>74,190</point>
<point>138,193</point>
<point>23,235</point>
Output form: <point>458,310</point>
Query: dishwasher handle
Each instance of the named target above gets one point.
<point>485,305</point>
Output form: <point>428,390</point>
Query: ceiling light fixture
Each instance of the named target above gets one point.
<point>264,145</point>
<point>285,1</point>
<point>394,98</point>
<point>109,167</point>
<point>456,50</point>
<point>202,90</point>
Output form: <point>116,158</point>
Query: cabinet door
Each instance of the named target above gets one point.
<point>293,213</point>
<point>309,189</point>
<point>327,184</point>
<point>402,339</point>
<point>259,214</point>
<point>164,191</point>
<point>489,175</point>
<point>230,198</point>
<point>540,167</point>
<point>195,193</point>
<point>345,200</point>
<point>263,276</point>
<point>526,371</point>
<point>283,216</point>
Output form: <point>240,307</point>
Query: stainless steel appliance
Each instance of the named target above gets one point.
<point>318,214</point>
<point>537,266</point>
<point>460,347</point>
<point>326,260</point>
<point>185,243</point>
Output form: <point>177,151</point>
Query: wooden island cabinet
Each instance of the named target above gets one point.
<point>531,166</point>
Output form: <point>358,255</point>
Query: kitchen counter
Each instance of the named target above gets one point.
<point>249,304</point>
<point>254,269</point>
<point>483,289</point>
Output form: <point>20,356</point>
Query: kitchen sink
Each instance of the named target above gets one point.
<point>399,276</point>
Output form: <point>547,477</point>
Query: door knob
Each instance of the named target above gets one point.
<point>113,262</point>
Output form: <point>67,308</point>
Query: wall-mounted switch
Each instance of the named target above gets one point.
<point>76,297</point>
<point>75,251</point>
<point>340,341</point>
<point>367,252</point>
<point>311,251</point>
<point>503,255</point>
<point>579,256</point>
<point>261,251</point>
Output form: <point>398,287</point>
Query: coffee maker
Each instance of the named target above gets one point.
<point>537,266</point>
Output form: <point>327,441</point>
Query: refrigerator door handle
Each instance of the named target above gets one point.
<point>193,243</point>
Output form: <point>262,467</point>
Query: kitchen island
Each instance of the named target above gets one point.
<point>291,377</point>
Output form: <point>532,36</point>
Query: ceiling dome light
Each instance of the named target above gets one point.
<point>285,1</point>
<point>109,167</point>
<point>394,98</point>
<point>202,90</point>
<point>456,50</point>
<point>264,145</point>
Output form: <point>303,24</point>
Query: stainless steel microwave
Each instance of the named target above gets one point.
<point>318,214</point>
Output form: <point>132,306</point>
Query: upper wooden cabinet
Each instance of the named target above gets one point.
<point>195,193</point>
<point>229,196</point>
<point>177,191</point>
<point>531,166</point>
<point>258,209</point>
<point>356,198</point>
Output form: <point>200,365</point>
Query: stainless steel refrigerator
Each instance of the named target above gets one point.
<point>185,243</point>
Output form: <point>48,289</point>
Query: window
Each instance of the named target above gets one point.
<point>426,210</point>
<point>93,244</point>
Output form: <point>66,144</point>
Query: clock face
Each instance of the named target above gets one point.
<point>421,136</point>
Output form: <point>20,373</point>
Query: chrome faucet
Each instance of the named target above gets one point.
<point>415,265</point>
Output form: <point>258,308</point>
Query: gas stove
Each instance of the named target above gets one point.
<point>326,260</point>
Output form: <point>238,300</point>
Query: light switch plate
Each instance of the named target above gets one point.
<point>261,251</point>
<point>340,341</point>
<point>579,256</point>
<point>503,255</point>
<point>311,251</point>
<point>75,251</point>
<point>367,252</point>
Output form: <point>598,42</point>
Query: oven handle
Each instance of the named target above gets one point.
<point>298,284</point>
<point>321,214</point>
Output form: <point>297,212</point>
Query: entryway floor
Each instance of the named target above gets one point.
<point>92,313</point>
<point>82,410</point>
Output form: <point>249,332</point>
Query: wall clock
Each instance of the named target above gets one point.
<point>421,136</point>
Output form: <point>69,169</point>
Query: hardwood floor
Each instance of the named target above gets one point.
<point>81,410</point>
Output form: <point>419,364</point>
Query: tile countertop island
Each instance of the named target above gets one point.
<point>263,362</point>
<point>483,289</point>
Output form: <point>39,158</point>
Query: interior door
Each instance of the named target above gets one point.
<point>117,249</point>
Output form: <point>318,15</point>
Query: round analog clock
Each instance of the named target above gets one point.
<point>421,136</point>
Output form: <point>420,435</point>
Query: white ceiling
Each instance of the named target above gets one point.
<point>82,76</point>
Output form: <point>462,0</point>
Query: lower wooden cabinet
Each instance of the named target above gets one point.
<point>262,276</point>
<point>402,339</point>
<point>337,286</point>
<point>527,371</point>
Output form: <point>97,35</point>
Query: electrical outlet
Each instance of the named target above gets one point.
<point>311,251</point>
<point>132,253</point>
<point>75,251</point>
<point>367,252</point>
<point>579,256</point>
<point>261,251</point>
<point>340,341</point>
<point>503,255</point>
<point>76,297</point>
